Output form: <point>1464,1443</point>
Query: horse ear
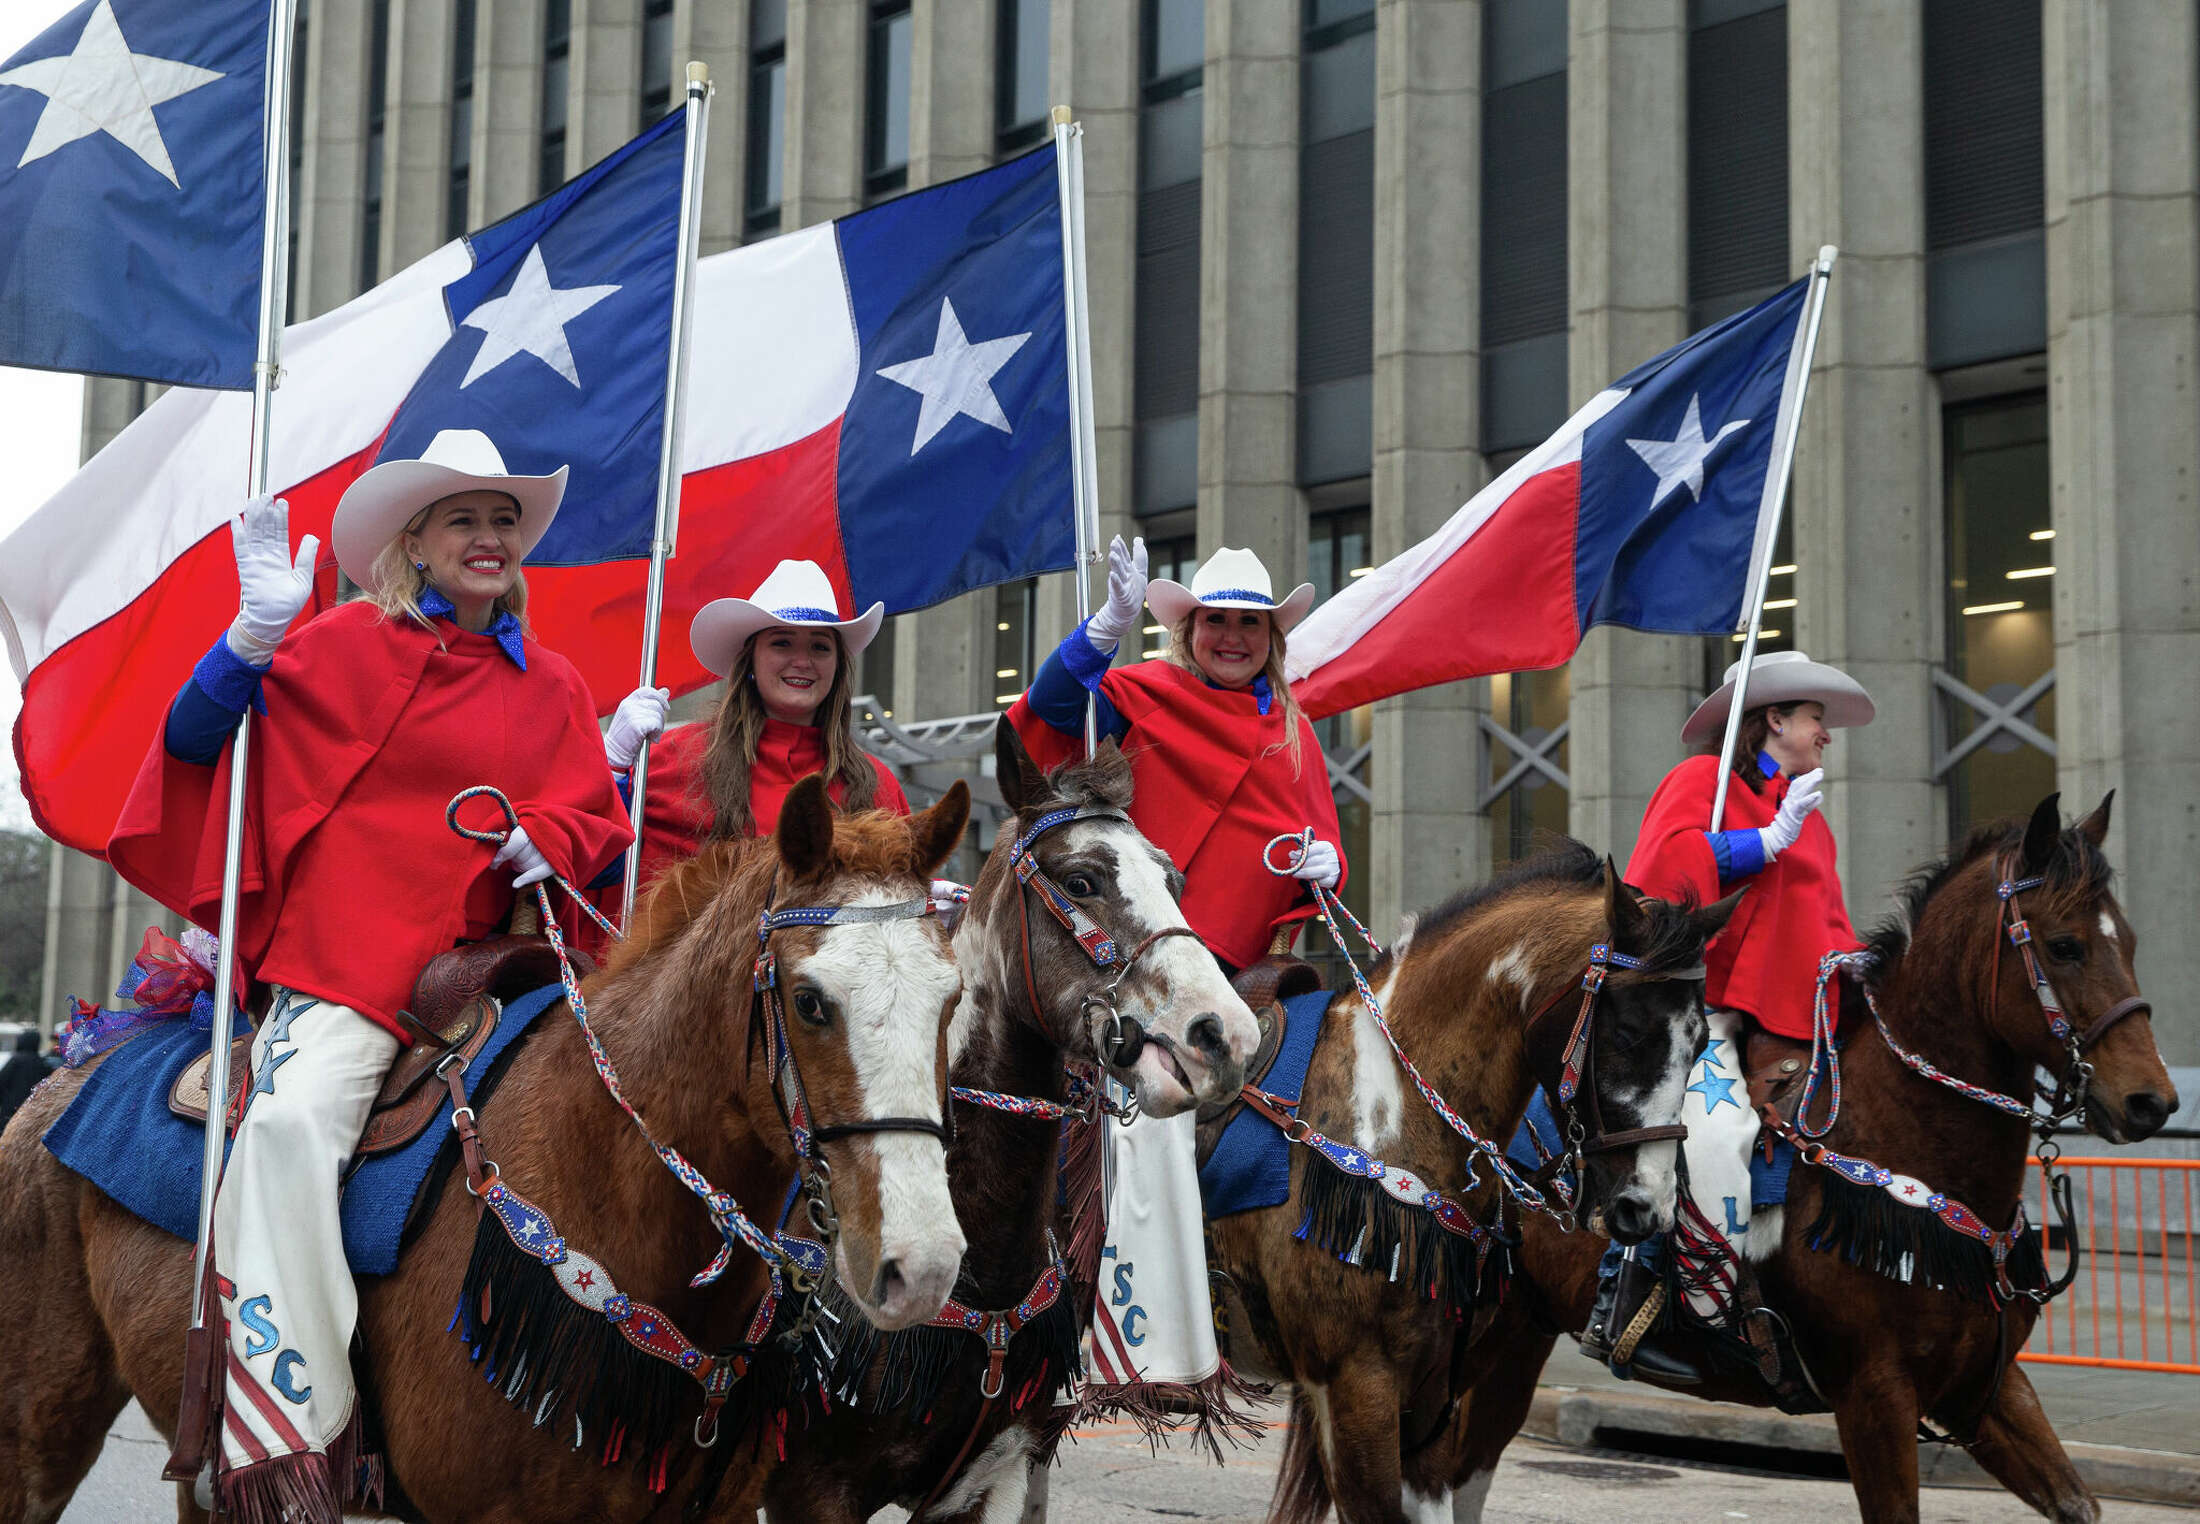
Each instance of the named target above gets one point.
<point>1622,912</point>
<point>1712,919</point>
<point>2040,836</point>
<point>2095,825</point>
<point>1022,783</point>
<point>806,828</point>
<point>939,829</point>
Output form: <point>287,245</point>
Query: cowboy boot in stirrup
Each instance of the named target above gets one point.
<point>1622,1325</point>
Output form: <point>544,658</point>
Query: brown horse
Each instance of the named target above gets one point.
<point>940,1438</point>
<point>1468,990</point>
<point>868,1007</point>
<point>1884,1353</point>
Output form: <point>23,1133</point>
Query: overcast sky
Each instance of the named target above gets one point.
<point>41,421</point>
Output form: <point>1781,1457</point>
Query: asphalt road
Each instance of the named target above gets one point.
<point>1108,1477</point>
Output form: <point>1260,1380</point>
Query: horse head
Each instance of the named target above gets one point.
<point>1628,1033</point>
<point>1075,917</point>
<point>2083,947</point>
<point>862,999</point>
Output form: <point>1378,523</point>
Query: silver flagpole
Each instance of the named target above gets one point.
<point>1069,175</point>
<point>1821,278</point>
<point>668,453</point>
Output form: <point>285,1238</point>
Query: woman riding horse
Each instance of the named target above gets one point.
<point>1224,761</point>
<point>1762,970</point>
<point>786,654</point>
<point>377,713</point>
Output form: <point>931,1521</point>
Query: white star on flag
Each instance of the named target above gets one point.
<point>530,318</point>
<point>1681,459</point>
<point>955,378</point>
<point>104,87</point>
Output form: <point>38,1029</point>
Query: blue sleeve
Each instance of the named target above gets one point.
<point>615,871</point>
<point>1740,854</point>
<point>210,703</point>
<point>1066,679</point>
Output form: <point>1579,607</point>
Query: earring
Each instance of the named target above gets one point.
<point>420,566</point>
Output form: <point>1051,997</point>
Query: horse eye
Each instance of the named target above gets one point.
<point>1081,885</point>
<point>811,1007</point>
<point>2066,950</point>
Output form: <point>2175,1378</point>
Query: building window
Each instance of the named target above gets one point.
<point>876,677</point>
<point>557,42</point>
<point>767,114</point>
<point>1532,708</point>
<point>1015,611</point>
<point>1165,351</point>
<point>297,157</point>
<point>1524,292</point>
<point>1337,242</point>
<point>462,117</point>
<point>1020,74</point>
<point>1737,156</point>
<point>2000,612</point>
<point>378,89</point>
<point>886,99</point>
<point>657,91</point>
<point>1985,183</point>
<point>1339,551</point>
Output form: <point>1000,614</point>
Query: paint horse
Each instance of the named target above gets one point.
<point>1896,1312</point>
<point>950,1418</point>
<point>868,1005</point>
<point>1552,970</point>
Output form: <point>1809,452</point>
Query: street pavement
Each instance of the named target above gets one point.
<point>1108,1477</point>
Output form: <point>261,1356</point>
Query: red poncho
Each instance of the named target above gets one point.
<point>351,880</point>
<point>1766,961</point>
<point>1214,785</point>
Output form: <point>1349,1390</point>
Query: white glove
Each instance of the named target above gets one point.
<point>518,852</point>
<point>1319,864</point>
<point>272,586</point>
<point>640,717</point>
<point>1787,826</point>
<point>1126,595</point>
<point>946,895</point>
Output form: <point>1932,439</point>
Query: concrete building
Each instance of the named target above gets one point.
<point>1350,257</point>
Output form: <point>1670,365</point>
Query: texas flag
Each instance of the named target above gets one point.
<point>1652,508</point>
<point>885,395</point>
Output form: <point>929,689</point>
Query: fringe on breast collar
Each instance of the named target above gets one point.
<point>1360,1222</point>
<point>1871,1230</point>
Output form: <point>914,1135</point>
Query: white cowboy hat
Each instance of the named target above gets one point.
<point>797,593</point>
<point>391,495</point>
<point>1231,579</point>
<point>1783,677</point>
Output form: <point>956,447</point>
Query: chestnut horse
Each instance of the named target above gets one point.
<point>1370,1355</point>
<point>1884,1353</point>
<point>868,1005</point>
<point>941,1438</point>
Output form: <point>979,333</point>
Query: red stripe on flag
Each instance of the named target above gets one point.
<point>1503,602</point>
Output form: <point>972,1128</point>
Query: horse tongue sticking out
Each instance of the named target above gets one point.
<point>594,1428</point>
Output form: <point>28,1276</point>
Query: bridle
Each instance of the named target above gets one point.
<point>1577,1063</point>
<point>1125,1036</point>
<point>2071,1087</point>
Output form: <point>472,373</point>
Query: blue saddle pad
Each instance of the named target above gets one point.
<point>1251,1165</point>
<point>1768,1179</point>
<point>119,1134</point>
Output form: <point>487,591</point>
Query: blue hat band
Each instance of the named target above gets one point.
<point>1241,594</point>
<point>807,616</point>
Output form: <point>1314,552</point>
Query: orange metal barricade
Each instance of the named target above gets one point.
<point>2136,1302</point>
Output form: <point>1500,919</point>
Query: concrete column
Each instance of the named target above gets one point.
<point>824,171</point>
<point>2123,317</point>
<point>1866,498</point>
<point>333,185</point>
<point>604,87</point>
<point>110,402</point>
<point>1425,838</point>
<point>416,133</point>
<point>1248,286</point>
<point>1627,240</point>
<point>717,33</point>
<point>507,109</point>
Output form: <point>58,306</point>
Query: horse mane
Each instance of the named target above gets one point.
<point>2076,870</point>
<point>1101,781</point>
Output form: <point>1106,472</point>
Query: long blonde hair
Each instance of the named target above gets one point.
<point>399,583</point>
<point>1180,653</point>
<point>739,725</point>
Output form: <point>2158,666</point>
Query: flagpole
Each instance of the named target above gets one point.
<point>1069,179</point>
<point>668,452</point>
<point>266,375</point>
<point>1821,279</point>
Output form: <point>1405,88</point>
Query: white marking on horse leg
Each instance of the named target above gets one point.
<point>1511,967</point>
<point>1001,1475</point>
<point>1425,1510</point>
<point>1317,1402</point>
<point>1467,1501</point>
<point>1378,1095</point>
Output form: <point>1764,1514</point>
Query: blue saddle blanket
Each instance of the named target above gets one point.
<point>1768,1179</point>
<point>1251,1165</point>
<point>119,1134</point>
